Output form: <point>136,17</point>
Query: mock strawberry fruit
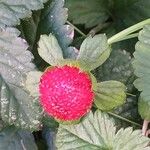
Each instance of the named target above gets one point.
<point>66,93</point>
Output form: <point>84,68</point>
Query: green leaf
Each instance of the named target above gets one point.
<point>49,50</point>
<point>50,122</point>
<point>125,11</point>
<point>109,95</point>
<point>94,51</point>
<point>88,12</point>
<point>54,17</point>
<point>2,124</point>
<point>129,110</point>
<point>18,108</point>
<point>120,13</point>
<point>16,105</point>
<point>32,85</point>
<point>98,132</point>
<point>32,82</point>
<point>29,29</point>
<point>141,65</point>
<point>30,32</point>
<point>117,67</point>
<point>14,139</point>
<point>12,11</point>
<point>123,15</point>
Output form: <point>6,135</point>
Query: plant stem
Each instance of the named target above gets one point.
<point>130,94</point>
<point>124,119</point>
<point>98,28</point>
<point>128,31</point>
<point>130,36</point>
<point>145,126</point>
<point>76,28</point>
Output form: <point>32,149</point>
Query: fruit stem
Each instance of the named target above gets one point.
<point>130,94</point>
<point>130,36</point>
<point>79,31</point>
<point>128,31</point>
<point>144,128</point>
<point>98,28</point>
<point>124,119</point>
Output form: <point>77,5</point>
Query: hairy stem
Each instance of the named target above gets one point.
<point>98,28</point>
<point>128,31</point>
<point>130,94</point>
<point>78,30</point>
<point>130,36</point>
<point>144,128</point>
<point>124,119</point>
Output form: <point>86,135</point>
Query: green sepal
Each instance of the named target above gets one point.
<point>94,51</point>
<point>73,122</point>
<point>109,95</point>
<point>94,81</point>
<point>49,49</point>
<point>70,62</point>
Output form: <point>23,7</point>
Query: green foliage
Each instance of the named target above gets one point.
<point>117,67</point>
<point>125,11</point>
<point>93,52</point>
<point>15,139</point>
<point>109,95</point>
<point>88,12</point>
<point>19,79</point>
<point>18,108</point>
<point>141,65</point>
<point>129,111</point>
<point>16,105</point>
<point>53,19</point>
<point>117,14</point>
<point>97,131</point>
<point>50,50</point>
<point>12,11</point>
<point>122,13</point>
<point>50,122</point>
<point>32,82</point>
<point>29,29</point>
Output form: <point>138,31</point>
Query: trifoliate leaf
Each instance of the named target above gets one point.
<point>98,132</point>
<point>54,17</point>
<point>12,11</point>
<point>109,95</point>
<point>88,12</point>
<point>14,139</point>
<point>94,51</point>
<point>50,50</point>
<point>141,65</point>
<point>16,105</point>
<point>117,67</point>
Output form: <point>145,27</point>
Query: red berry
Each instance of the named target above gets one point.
<point>66,93</point>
